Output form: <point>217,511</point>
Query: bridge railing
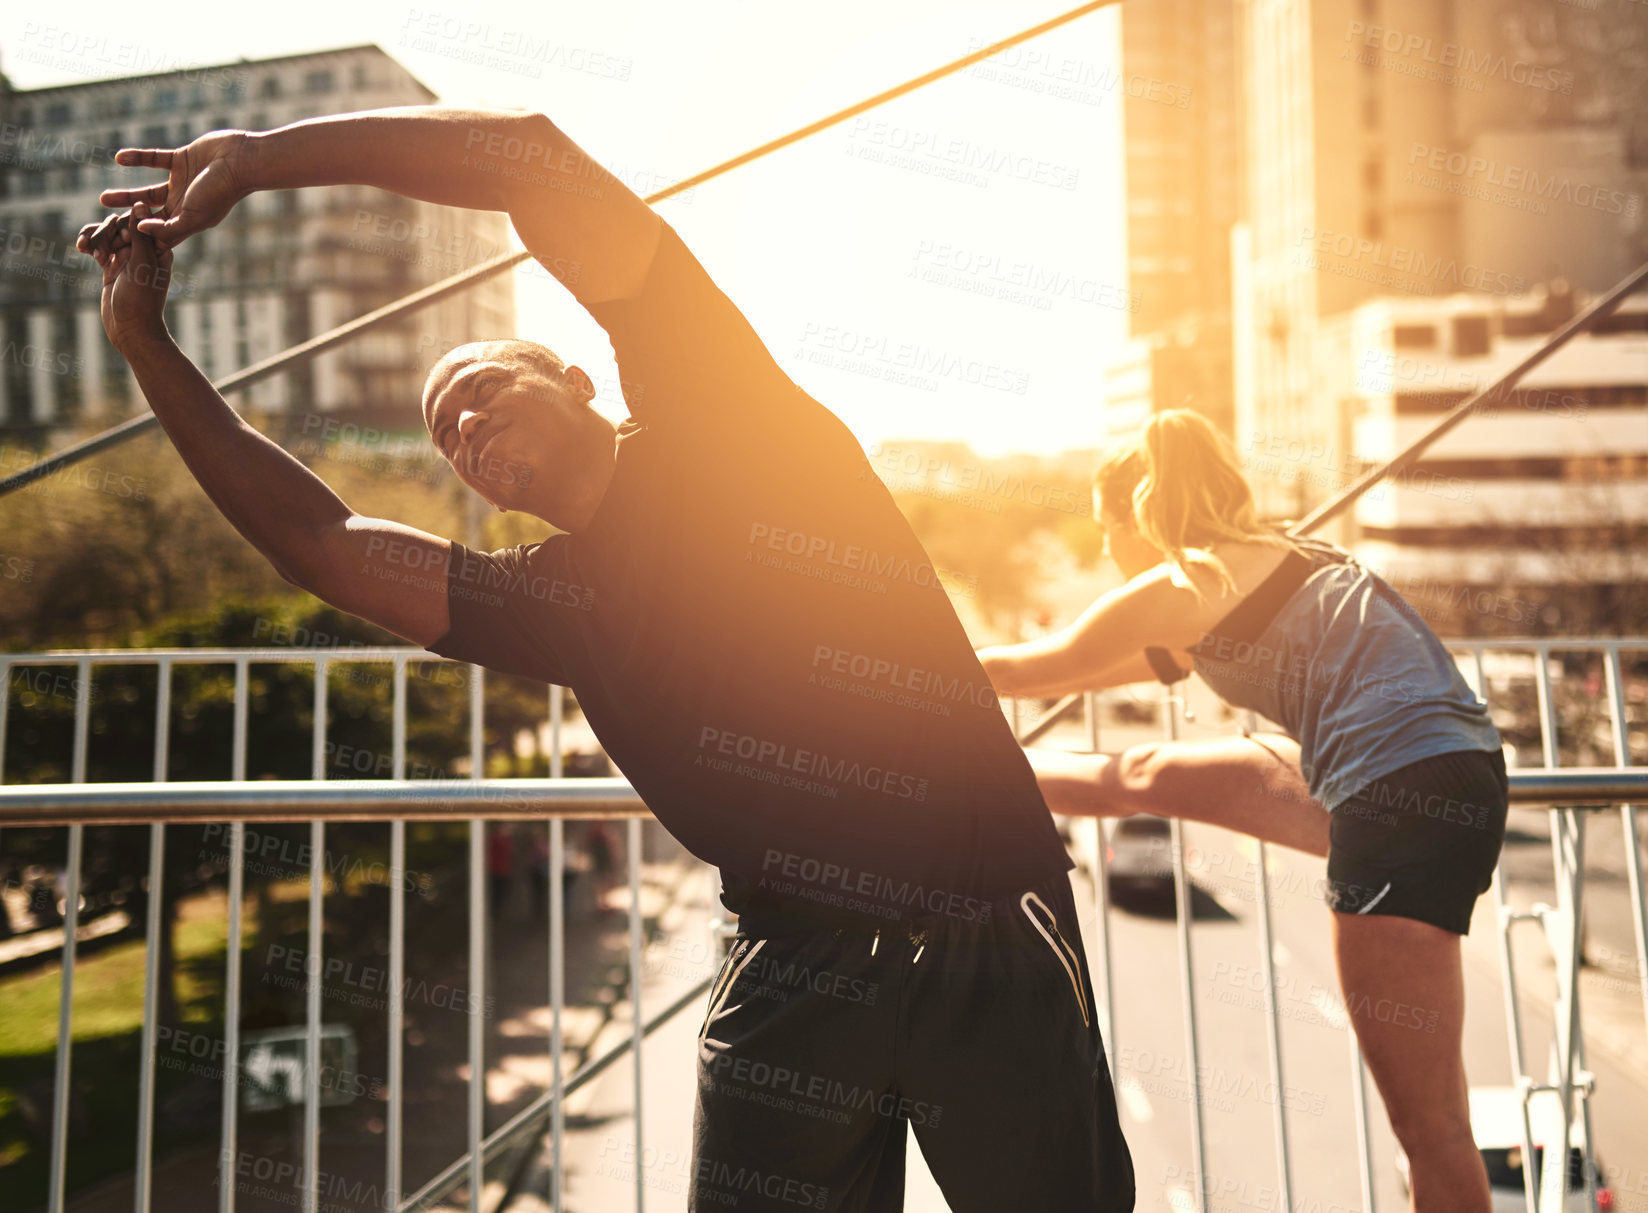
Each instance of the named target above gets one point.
<point>1578,791</point>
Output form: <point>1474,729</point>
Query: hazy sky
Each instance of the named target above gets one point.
<point>948,266</point>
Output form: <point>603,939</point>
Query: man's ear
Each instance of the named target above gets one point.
<point>579,384</point>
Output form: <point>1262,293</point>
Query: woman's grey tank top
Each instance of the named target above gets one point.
<point>1328,650</point>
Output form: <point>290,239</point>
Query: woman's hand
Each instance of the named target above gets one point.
<point>204,180</point>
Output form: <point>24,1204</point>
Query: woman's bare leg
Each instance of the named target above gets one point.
<point>1405,993</point>
<point>1252,784</point>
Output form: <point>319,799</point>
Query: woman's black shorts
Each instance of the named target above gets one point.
<point>1422,841</point>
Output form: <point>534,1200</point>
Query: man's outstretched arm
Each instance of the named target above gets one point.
<point>392,575</point>
<point>586,226</point>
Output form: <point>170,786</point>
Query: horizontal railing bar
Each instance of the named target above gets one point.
<point>611,798</point>
<point>384,652</point>
<point>528,800</point>
<point>388,652</point>
<point>320,800</point>
<point>379,652</point>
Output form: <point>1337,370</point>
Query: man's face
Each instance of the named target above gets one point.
<point>509,426</point>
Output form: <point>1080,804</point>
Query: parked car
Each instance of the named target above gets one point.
<point>1496,1123</point>
<point>1138,855</point>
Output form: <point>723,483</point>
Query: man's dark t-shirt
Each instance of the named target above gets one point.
<point>760,641</point>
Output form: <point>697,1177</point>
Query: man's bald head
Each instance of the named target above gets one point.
<point>513,353</point>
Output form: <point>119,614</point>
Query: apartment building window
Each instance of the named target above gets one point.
<point>1523,324</point>
<point>34,182</point>
<point>234,90</point>
<point>154,136</point>
<point>117,385</point>
<point>166,101</point>
<point>359,77</point>
<point>206,363</point>
<point>1410,403</point>
<point>67,364</point>
<point>1470,336</point>
<point>59,114</point>
<point>1622,322</point>
<point>19,381</point>
<point>243,347</point>
<point>319,82</point>
<point>270,88</point>
<point>71,176</point>
<point>1414,336</point>
<point>25,116</point>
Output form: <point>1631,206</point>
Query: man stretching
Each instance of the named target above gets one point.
<point>756,636</point>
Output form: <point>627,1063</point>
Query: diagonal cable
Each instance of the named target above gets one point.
<point>437,291</point>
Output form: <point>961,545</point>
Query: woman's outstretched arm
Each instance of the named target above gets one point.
<point>1252,784</point>
<point>1105,645</point>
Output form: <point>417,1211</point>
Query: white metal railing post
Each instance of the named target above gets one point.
<point>315,967</point>
<point>61,1093</point>
<point>395,1097</point>
<point>152,949</point>
<point>477,946</point>
<point>1182,917</point>
<point>1359,1103</point>
<point>1505,918</point>
<point>1273,1035</point>
<point>231,976</point>
<point>557,950</point>
<point>1101,907</point>
<point>5,710</point>
<point>638,1024</point>
<point>1628,824</point>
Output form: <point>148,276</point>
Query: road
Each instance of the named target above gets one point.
<point>1148,1040</point>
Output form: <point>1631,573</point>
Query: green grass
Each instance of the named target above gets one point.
<point>107,1034</point>
<point>108,989</point>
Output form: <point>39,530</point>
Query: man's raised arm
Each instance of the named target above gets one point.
<point>392,575</point>
<point>586,226</point>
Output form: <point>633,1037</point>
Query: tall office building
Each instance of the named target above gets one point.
<point>1484,158</point>
<point>1530,515</point>
<point>284,266</point>
<point>1183,140</point>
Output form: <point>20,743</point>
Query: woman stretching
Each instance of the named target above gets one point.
<point>1380,728</point>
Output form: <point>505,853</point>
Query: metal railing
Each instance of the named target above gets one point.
<point>321,801</point>
<point>1575,789</point>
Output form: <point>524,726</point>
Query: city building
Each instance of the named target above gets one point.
<point>1182,155</point>
<point>1531,514</point>
<point>1468,156</point>
<point>283,267</point>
